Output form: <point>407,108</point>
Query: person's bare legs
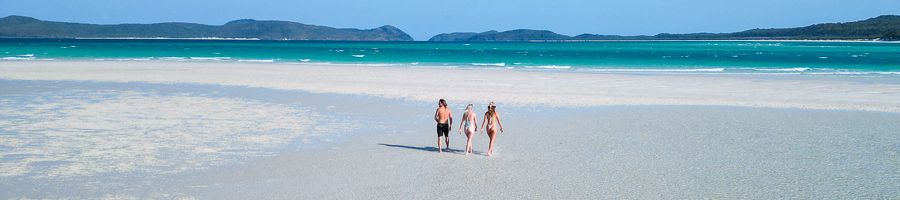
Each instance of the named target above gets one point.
<point>447,138</point>
<point>468,142</point>
<point>491,143</point>
<point>439,144</point>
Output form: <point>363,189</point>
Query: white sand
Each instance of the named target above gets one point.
<point>628,152</point>
<point>477,86</point>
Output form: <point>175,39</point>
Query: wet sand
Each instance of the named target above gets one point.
<point>607,152</point>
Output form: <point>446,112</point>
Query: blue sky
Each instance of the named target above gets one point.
<point>425,18</point>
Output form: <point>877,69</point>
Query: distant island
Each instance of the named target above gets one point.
<point>885,28</point>
<point>881,28</point>
<point>27,27</point>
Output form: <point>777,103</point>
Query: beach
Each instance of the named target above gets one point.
<point>238,130</point>
<point>512,87</point>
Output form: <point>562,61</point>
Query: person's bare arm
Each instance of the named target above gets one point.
<point>475,120</point>
<point>483,122</point>
<point>497,115</point>
<point>449,118</point>
<point>459,130</point>
<point>437,115</point>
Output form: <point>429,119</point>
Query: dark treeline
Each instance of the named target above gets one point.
<point>26,27</point>
<point>886,27</point>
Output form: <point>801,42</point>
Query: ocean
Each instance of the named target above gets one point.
<point>780,57</point>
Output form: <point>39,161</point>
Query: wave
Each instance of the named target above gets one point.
<point>490,64</point>
<point>17,58</point>
<point>210,58</point>
<point>172,58</point>
<point>123,59</point>
<point>774,70</point>
<point>654,70</point>
<point>135,59</point>
<point>358,55</point>
<point>795,69</point>
<point>257,60</point>
<point>855,73</point>
<point>549,67</point>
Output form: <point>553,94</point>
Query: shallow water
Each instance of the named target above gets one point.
<point>590,57</point>
<point>101,139</point>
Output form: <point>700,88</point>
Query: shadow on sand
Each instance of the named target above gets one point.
<point>432,149</point>
<point>429,149</point>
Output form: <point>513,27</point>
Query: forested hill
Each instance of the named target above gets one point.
<point>27,27</point>
<point>886,27</point>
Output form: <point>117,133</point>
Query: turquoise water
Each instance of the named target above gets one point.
<point>675,56</point>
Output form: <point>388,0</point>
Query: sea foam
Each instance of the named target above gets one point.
<point>210,58</point>
<point>653,70</point>
<point>549,67</point>
<point>17,58</point>
<point>795,69</point>
<point>489,64</point>
<point>257,60</point>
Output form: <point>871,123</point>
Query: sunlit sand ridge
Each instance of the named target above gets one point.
<point>510,87</point>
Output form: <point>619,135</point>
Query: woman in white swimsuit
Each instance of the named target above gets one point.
<point>470,124</point>
<point>492,121</point>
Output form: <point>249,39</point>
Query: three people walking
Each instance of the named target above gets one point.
<point>444,119</point>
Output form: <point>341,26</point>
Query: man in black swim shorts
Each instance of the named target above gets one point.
<point>443,129</point>
<point>444,119</point>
